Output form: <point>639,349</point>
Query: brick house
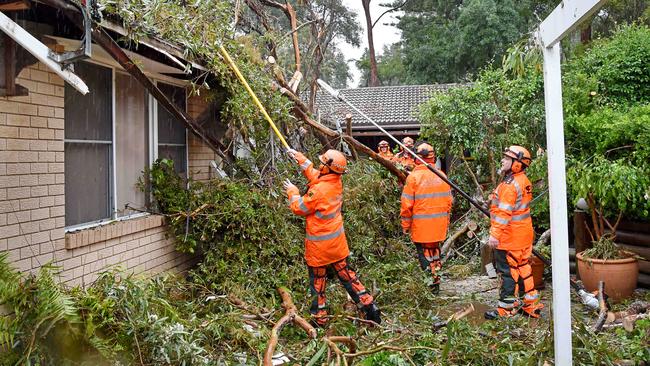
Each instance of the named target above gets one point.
<point>70,163</point>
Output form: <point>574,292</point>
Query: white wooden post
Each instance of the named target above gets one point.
<point>558,207</point>
<point>564,18</point>
<point>40,51</point>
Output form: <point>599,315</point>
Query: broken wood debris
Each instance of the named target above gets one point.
<point>290,316</point>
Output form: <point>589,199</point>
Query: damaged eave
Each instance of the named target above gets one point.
<point>173,52</point>
<point>106,42</point>
<point>40,51</point>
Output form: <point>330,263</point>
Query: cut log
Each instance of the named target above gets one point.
<point>487,256</point>
<point>455,316</point>
<point>301,111</point>
<point>450,240</point>
<point>544,238</point>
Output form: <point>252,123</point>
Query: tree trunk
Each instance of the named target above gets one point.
<point>585,34</point>
<point>374,77</point>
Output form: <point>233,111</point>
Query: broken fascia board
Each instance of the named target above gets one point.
<point>169,50</point>
<point>40,51</point>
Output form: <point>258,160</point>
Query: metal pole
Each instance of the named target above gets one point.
<point>558,207</point>
<point>339,96</point>
<point>257,102</point>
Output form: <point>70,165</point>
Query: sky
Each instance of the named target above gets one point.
<point>383,34</point>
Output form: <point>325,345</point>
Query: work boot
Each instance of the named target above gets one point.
<point>319,320</point>
<point>533,311</point>
<point>435,288</point>
<point>372,312</point>
<point>499,313</point>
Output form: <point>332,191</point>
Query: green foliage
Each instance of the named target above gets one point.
<point>617,186</point>
<point>607,126</point>
<point>604,248</point>
<point>40,323</point>
<point>448,41</point>
<point>620,66</point>
<point>614,134</point>
<point>391,69</point>
<point>147,318</point>
<point>199,28</point>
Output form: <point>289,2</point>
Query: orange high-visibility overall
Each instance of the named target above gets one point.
<point>405,159</point>
<point>426,202</point>
<point>325,241</point>
<point>512,226</point>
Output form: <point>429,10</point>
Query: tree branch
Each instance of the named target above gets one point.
<point>389,11</point>
<point>290,316</point>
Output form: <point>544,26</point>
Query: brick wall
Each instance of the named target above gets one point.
<point>200,155</point>
<point>138,245</point>
<point>32,201</point>
<point>31,171</point>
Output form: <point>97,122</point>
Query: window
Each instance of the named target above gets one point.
<point>171,132</point>
<point>88,146</point>
<point>111,134</point>
<point>131,142</point>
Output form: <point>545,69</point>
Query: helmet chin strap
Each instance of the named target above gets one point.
<point>324,170</point>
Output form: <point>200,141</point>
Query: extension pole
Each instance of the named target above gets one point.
<point>259,105</point>
<point>337,95</point>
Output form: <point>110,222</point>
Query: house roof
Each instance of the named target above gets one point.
<point>392,107</point>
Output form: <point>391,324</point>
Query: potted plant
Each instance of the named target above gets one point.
<point>537,265</point>
<point>605,261</point>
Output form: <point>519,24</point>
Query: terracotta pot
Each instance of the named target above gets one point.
<point>619,275</point>
<point>538,272</point>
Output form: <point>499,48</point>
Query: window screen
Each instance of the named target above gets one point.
<point>88,144</point>
<point>171,132</point>
<point>131,144</point>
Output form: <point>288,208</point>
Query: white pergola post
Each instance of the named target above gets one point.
<point>565,18</point>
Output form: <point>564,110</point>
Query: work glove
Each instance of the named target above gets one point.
<point>297,156</point>
<point>405,231</point>
<point>288,186</point>
<point>493,242</point>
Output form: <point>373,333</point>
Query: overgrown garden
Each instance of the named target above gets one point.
<point>247,243</point>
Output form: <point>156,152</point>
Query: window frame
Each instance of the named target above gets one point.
<point>112,201</point>
<point>152,131</point>
<point>153,125</point>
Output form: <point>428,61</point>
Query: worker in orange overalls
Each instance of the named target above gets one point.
<point>325,242</point>
<point>404,158</point>
<point>383,149</point>
<point>426,202</point>
<point>511,234</point>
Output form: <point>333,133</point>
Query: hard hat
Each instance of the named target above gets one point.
<point>383,143</point>
<point>425,151</point>
<point>335,160</point>
<point>518,153</point>
<point>407,141</point>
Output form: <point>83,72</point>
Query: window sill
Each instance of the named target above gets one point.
<point>110,230</point>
